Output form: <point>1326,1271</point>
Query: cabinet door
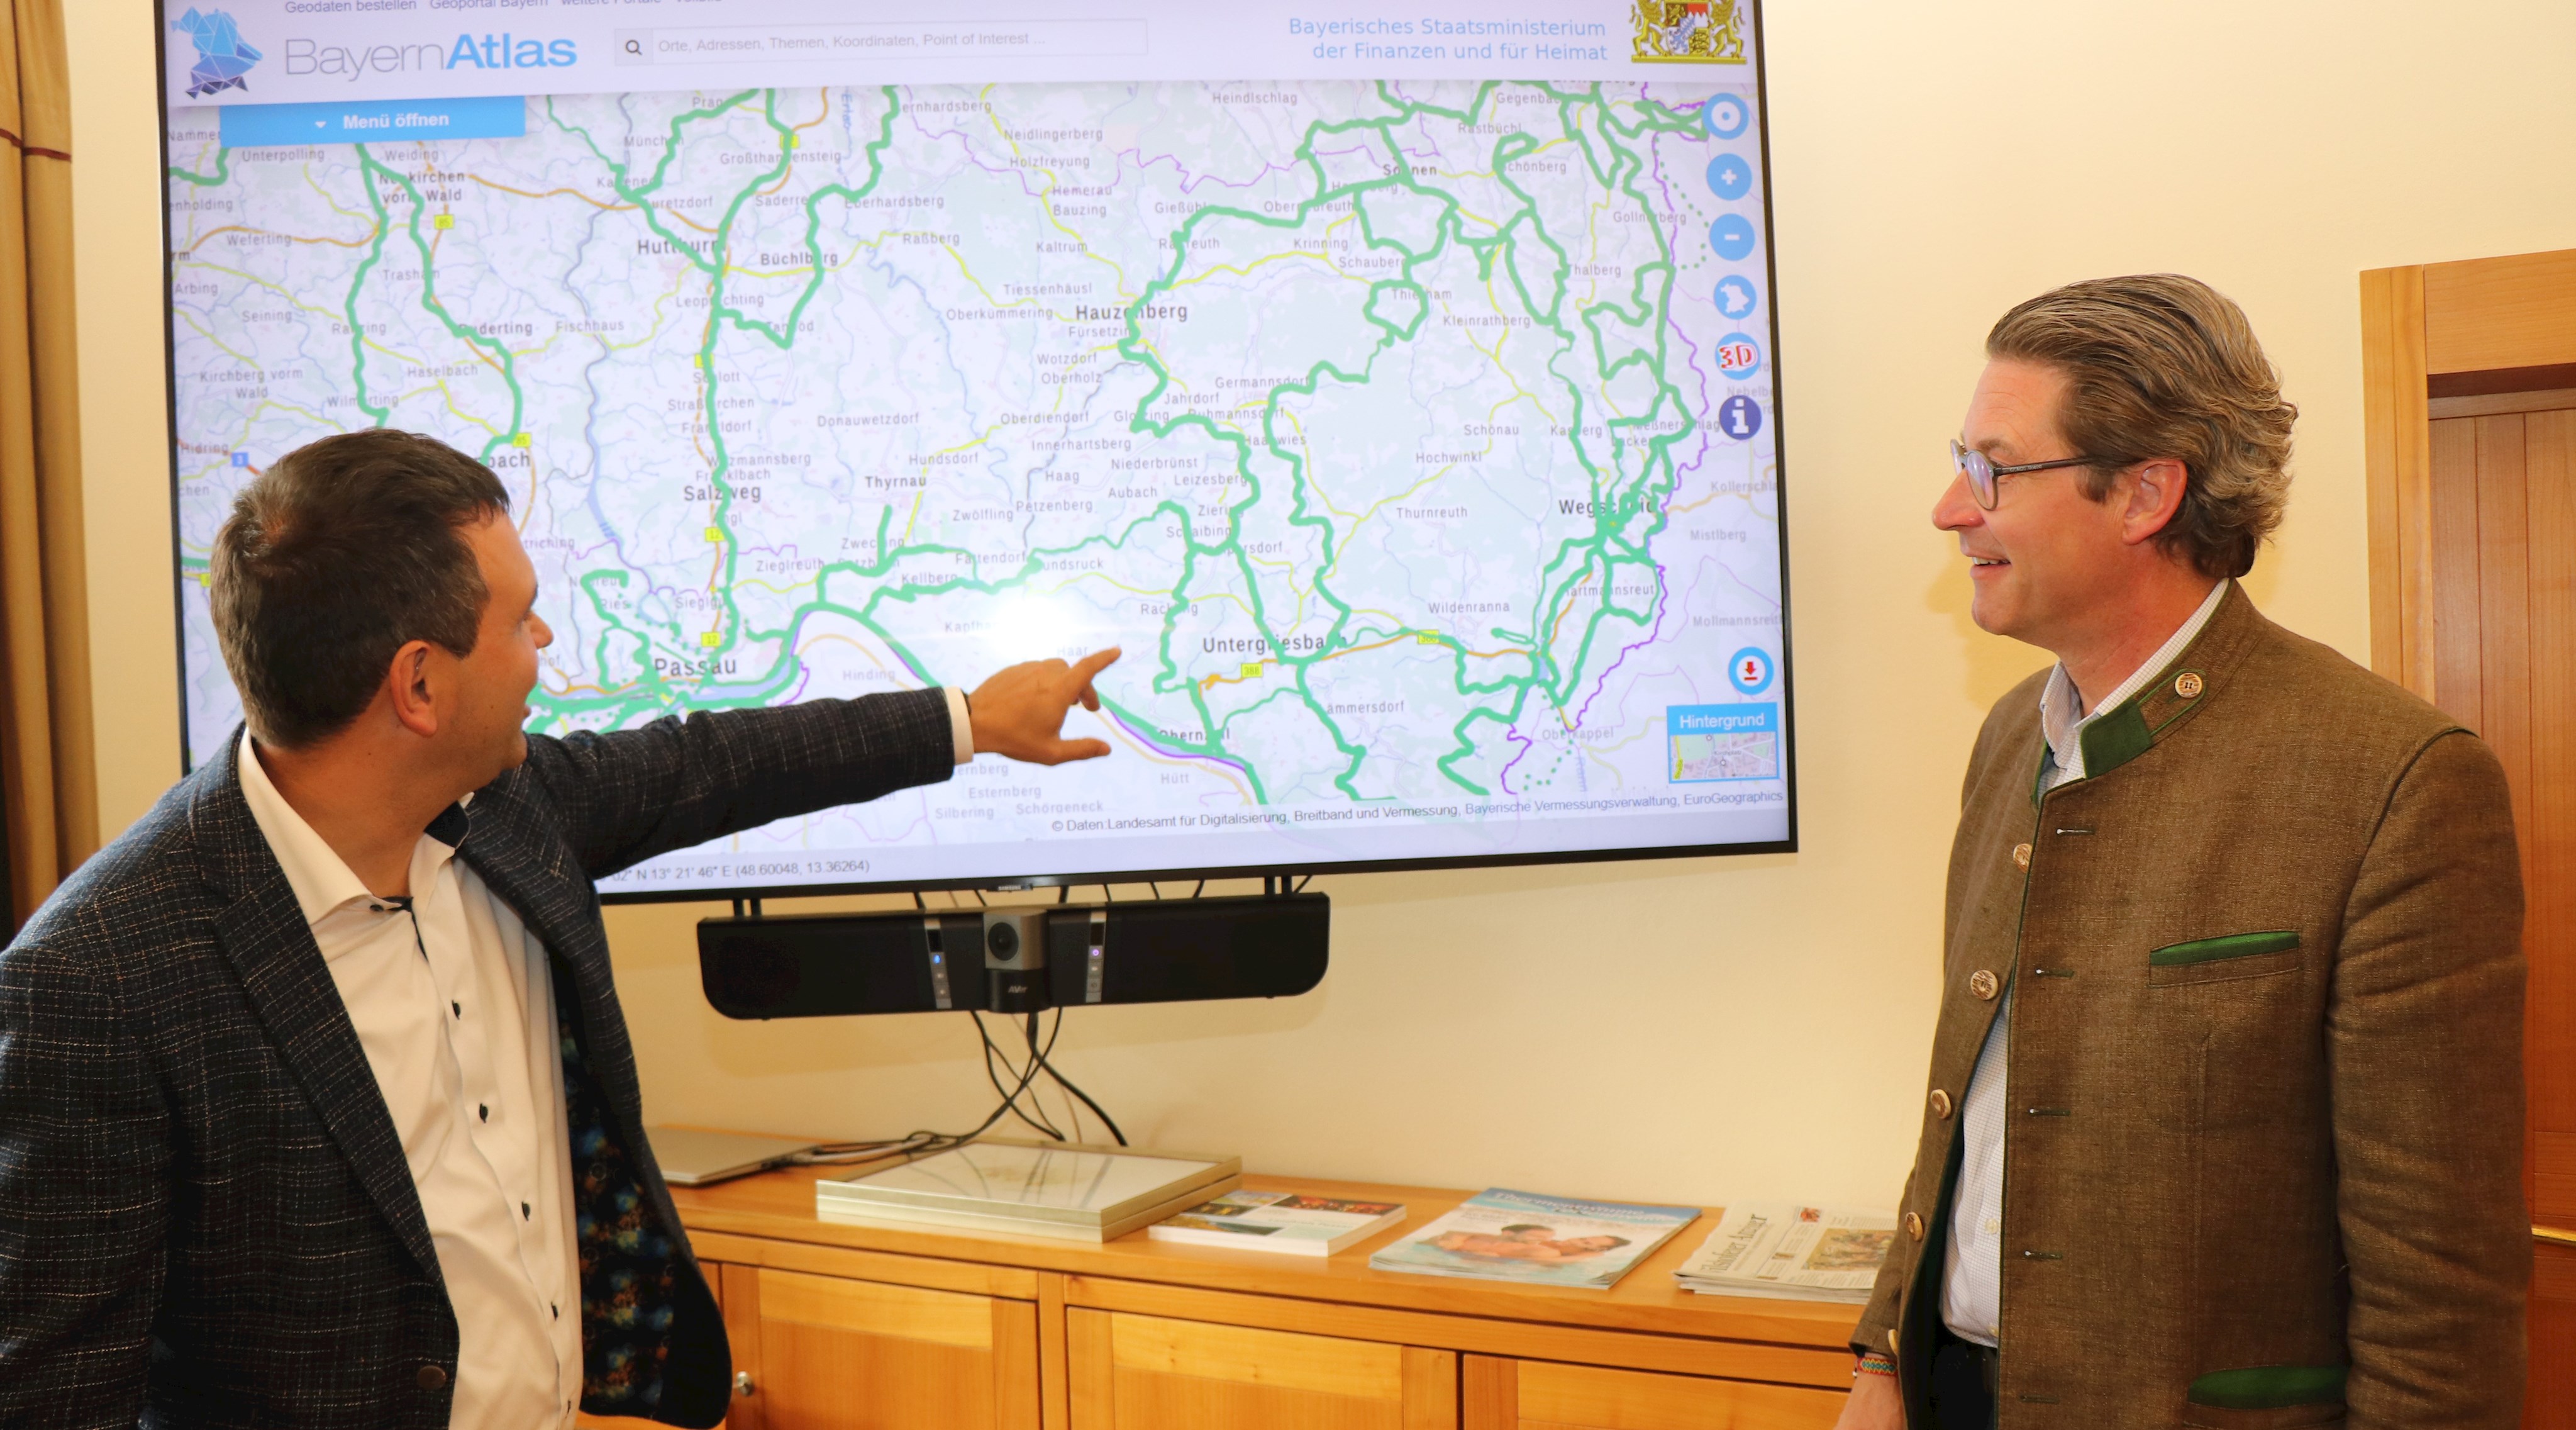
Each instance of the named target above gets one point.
<point>829,1353</point>
<point>1146,1373</point>
<point>1541,1395</point>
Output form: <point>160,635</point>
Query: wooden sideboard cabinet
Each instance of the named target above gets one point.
<point>845,1327</point>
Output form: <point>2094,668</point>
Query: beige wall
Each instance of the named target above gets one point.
<point>1680,1030</point>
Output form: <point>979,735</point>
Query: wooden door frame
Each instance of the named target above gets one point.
<point>2441,332</point>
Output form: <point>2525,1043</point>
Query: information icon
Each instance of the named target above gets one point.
<point>1726,116</point>
<point>1729,177</point>
<point>1735,296</point>
<point>1750,670</point>
<point>1738,356</point>
<point>1731,236</point>
<point>1739,417</point>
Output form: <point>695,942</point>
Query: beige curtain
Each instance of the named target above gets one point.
<point>46,762</point>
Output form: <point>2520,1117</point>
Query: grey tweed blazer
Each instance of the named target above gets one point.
<point>205,1214</point>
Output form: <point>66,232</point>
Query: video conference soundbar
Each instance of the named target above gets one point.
<point>1014,960</point>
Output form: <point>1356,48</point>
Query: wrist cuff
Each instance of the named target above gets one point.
<point>961,725</point>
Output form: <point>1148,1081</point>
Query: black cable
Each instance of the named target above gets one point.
<point>1157,888</point>
<point>1035,1114</point>
<point>1302,883</point>
<point>912,1144</point>
<point>1063,892</point>
<point>1029,1035</point>
<point>1038,1059</point>
<point>1011,1097</point>
<point>1107,897</point>
<point>919,903</point>
<point>1201,889</point>
<point>925,1143</point>
<point>1067,1084</point>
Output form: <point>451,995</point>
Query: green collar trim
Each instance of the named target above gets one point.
<point>2121,735</point>
<point>2269,1387</point>
<point>2115,739</point>
<point>2129,730</point>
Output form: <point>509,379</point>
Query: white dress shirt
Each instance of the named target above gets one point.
<point>1972,1268</point>
<point>453,1003</point>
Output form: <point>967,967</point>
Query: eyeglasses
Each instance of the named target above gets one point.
<point>1985,478</point>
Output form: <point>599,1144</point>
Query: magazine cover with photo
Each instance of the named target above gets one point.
<point>1506,1235</point>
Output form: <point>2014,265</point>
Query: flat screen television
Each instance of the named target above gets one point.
<point>1396,385</point>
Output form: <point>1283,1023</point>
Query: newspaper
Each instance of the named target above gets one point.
<point>1793,1252</point>
<point>1521,1236</point>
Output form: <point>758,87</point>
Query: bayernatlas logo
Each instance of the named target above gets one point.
<point>222,58</point>
<point>489,52</point>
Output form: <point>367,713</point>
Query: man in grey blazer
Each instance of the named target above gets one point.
<point>316,1104</point>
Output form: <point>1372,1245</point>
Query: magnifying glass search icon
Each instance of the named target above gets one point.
<point>634,47</point>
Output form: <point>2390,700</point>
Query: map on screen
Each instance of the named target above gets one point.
<point>1408,421</point>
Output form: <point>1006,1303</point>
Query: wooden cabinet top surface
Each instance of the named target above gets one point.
<point>779,1206</point>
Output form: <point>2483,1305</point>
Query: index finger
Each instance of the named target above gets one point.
<point>1091,665</point>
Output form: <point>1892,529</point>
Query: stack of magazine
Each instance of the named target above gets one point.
<point>1551,1241</point>
<point>1792,1252</point>
<point>1068,1190</point>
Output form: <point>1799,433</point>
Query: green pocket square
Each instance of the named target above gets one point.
<point>2235,945</point>
<point>2267,1387</point>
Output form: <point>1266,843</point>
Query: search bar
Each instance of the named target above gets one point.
<point>909,39</point>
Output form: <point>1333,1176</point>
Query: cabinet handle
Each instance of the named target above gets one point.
<point>742,1383</point>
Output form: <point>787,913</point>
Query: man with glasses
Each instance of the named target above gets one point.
<point>2225,1117</point>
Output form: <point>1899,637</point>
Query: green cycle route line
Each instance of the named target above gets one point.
<point>1576,561</point>
<point>1563,575</point>
<point>1596,556</point>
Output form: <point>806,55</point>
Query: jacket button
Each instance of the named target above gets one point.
<point>2021,856</point>
<point>2187,685</point>
<point>431,1377</point>
<point>1913,1228</point>
<point>1983,984</point>
<point>1940,1103</point>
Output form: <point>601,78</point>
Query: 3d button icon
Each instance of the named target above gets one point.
<point>1738,356</point>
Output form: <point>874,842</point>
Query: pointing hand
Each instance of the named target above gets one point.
<point>1020,711</point>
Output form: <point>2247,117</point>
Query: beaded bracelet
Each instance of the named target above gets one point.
<point>1874,1363</point>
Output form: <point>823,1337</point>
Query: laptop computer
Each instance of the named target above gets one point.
<point>694,1158</point>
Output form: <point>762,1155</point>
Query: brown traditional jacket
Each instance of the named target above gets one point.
<point>2264,1149</point>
